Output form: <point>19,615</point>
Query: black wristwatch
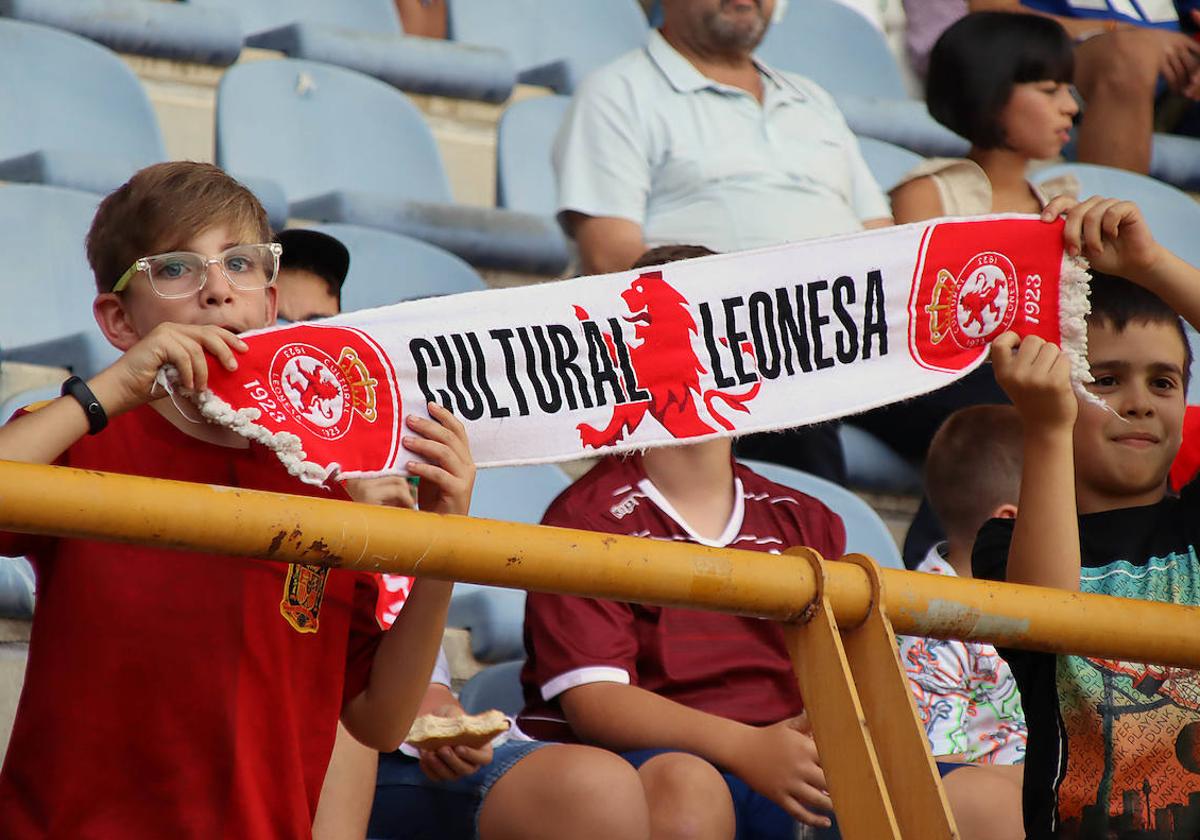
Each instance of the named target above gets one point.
<point>78,389</point>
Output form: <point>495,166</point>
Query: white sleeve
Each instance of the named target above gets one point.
<point>600,159</point>
<point>441,669</point>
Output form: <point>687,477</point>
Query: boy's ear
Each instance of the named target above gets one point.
<point>1005,511</point>
<point>272,305</point>
<point>114,322</point>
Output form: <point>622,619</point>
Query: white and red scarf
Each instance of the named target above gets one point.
<point>717,346</point>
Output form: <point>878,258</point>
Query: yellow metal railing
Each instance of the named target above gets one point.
<point>839,616</point>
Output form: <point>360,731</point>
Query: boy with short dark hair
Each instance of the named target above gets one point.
<point>182,694</point>
<point>965,694</point>
<point>1106,739</point>
<point>312,271</point>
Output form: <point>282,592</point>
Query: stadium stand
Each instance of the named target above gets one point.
<point>73,115</point>
<point>387,268</point>
<point>367,36</point>
<point>887,161</point>
<point>365,156</point>
<point>41,235</point>
<point>524,137</point>
<point>494,615</point>
<point>71,112</point>
<point>554,44</point>
<point>860,71</point>
<point>866,533</point>
<point>176,31</point>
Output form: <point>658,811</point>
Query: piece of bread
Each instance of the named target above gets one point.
<point>431,731</point>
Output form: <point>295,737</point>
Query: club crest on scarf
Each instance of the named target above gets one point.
<point>329,386</point>
<point>323,394</point>
<point>964,298</point>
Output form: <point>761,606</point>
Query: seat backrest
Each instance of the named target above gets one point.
<point>376,16</point>
<point>517,494</point>
<point>63,92</point>
<point>45,276</point>
<point>495,687</point>
<point>386,268</point>
<point>1172,215</point>
<point>887,161</point>
<point>334,129</point>
<point>524,138</point>
<point>836,47</point>
<point>866,533</point>
<point>580,35</point>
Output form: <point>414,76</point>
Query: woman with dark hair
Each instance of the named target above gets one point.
<point>1003,81</point>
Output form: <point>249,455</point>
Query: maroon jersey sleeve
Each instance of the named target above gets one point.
<point>567,633</point>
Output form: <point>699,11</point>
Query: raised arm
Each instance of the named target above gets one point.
<point>42,436</point>
<point>1045,543</point>
<point>1115,238</point>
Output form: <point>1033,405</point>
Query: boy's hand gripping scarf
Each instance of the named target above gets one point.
<point>711,347</point>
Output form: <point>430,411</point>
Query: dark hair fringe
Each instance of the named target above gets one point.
<point>1120,302</point>
<point>978,59</point>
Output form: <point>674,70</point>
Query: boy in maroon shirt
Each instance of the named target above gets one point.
<point>181,694</point>
<point>684,692</point>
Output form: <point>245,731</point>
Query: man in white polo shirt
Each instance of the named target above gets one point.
<point>691,140</point>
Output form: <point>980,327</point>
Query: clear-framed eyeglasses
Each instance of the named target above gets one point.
<point>183,273</point>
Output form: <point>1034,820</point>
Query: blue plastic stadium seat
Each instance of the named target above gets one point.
<point>366,35</point>
<point>903,122</point>
<point>386,268</point>
<point>835,46</point>
<point>71,112</point>
<point>48,317</point>
<point>887,161</point>
<point>176,31</point>
<point>553,43</point>
<point>524,138</point>
<point>866,533</point>
<point>495,687</point>
<point>858,68</point>
<point>1173,216</point>
<point>873,465</point>
<point>361,153</point>
<point>1176,160</point>
<point>495,615</point>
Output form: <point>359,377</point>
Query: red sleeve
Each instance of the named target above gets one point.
<point>1187,460</point>
<point>567,632</point>
<point>365,635</point>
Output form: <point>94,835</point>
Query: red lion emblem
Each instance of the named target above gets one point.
<point>665,365</point>
<point>976,301</point>
<point>315,390</point>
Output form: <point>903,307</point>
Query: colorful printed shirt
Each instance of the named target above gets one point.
<point>1114,747</point>
<point>965,693</point>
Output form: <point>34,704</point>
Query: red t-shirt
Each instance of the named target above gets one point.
<point>168,694</point>
<point>726,665</point>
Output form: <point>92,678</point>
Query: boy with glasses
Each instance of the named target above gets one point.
<point>172,693</point>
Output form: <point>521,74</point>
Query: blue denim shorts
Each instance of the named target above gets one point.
<point>411,806</point>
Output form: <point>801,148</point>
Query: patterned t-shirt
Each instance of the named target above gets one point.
<point>965,693</point>
<point>1114,747</point>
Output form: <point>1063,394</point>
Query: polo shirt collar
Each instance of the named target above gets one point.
<point>685,78</point>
